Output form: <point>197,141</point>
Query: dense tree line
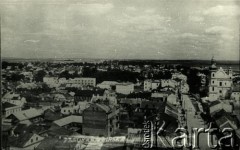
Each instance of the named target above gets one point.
<point>38,77</point>
<point>15,77</point>
<point>13,65</point>
<point>67,75</point>
<point>111,75</point>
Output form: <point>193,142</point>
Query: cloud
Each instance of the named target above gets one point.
<point>150,11</point>
<point>143,22</point>
<point>196,18</point>
<point>188,35</point>
<point>31,41</point>
<point>220,10</point>
<point>217,30</point>
<point>91,9</point>
<point>131,8</point>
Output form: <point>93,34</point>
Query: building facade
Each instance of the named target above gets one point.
<point>220,82</point>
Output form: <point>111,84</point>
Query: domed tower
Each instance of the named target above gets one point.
<point>213,64</point>
<point>230,72</point>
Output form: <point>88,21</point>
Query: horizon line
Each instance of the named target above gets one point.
<point>42,58</point>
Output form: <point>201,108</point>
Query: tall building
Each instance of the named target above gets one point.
<point>220,82</point>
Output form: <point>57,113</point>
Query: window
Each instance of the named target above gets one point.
<point>36,138</point>
<point>212,88</point>
<point>110,129</point>
<point>213,75</point>
<point>220,83</point>
<point>220,91</point>
<point>213,82</point>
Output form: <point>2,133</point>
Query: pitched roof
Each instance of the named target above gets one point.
<point>51,115</point>
<point>68,120</point>
<point>47,144</point>
<point>60,131</point>
<point>214,103</point>
<point>104,107</point>
<point>21,140</point>
<point>109,83</point>
<point>7,105</point>
<point>28,114</point>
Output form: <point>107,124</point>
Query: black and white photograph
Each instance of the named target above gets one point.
<point>120,74</point>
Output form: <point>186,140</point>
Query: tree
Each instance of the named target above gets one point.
<point>15,77</point>
<point>39,76</point>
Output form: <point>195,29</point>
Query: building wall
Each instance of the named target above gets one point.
<point>235,96</point>
<point>83,81</point>
<point>95,121</point>
<point>12,110</point>
<point>171,83</point>
<point>151,85</point>
<point>147,85</point>
<point>125,89</point>
<point>34,139</point>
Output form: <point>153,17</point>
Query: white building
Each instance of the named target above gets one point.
<point>169,82</point>
<point>220,82</point>
<point>151,84</point>
<point>125,88</point>
<point>9,108</point>
<point>179,76</point>
<point>83,81</point>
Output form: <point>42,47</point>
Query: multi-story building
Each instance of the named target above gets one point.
<point>83,81</point>
<point>220,82</point>
<point>99,120</point>
<point>151,84</point>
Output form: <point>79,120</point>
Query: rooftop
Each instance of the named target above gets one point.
<point>68,120</point>
<point>6,105</point>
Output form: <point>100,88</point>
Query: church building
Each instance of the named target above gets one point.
<point>220,82</point>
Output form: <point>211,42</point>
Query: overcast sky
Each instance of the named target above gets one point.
<point>120,29</point>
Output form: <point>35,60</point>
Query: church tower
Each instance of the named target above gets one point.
<point>212,86</point>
